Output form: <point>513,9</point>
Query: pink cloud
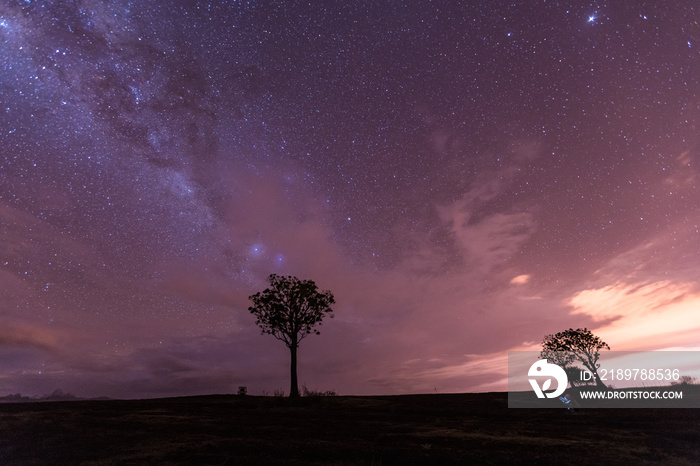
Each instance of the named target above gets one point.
<point>23,334</point>
<point>520,279</point>
<point>644,316</point>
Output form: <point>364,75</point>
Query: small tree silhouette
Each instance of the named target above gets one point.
<point>685,380</point>
<point>288,310</point>
<point>569,346</point>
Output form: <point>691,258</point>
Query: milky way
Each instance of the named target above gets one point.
<point>466,177</point>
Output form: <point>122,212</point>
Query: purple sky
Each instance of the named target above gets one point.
<point>465,177</point>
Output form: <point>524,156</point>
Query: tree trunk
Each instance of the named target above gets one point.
<point>598,383</point>
<point>294,389</point>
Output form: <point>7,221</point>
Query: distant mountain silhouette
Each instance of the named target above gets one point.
<point>57,395</point>
<point>17,398</point>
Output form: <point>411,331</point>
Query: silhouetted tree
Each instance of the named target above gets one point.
<point>686,380</point>
<point>569,346</point>
<point>288,310</point>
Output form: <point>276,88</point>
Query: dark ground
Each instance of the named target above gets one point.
<point>390,430</point>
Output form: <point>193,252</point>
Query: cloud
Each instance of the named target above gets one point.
<point>428,322</point>
<point>475,372</point>
<point>622,300</point>
<point>682,173</point>
<point>491,242</point>
<point>24,334</point>
<point>646,297</point>
<point>520,279</point>
<point>489,239</point>
<point>643,315</point>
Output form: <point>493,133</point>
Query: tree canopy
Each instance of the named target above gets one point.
<point>567,347</point>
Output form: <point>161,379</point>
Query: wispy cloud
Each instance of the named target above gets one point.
<point>31,335</point>
<point>643,316</point>
<point>520,279</point>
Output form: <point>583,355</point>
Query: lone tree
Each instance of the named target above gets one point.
<point>288,310</point>
<point>564,348</point>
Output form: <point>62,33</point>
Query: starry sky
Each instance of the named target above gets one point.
<point>465,177</point>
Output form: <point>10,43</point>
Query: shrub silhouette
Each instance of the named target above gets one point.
<point>305,392</point>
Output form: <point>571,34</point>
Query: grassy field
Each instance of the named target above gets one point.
<point>389,430</point>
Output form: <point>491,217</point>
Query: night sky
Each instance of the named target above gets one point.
<point>465,177</point>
